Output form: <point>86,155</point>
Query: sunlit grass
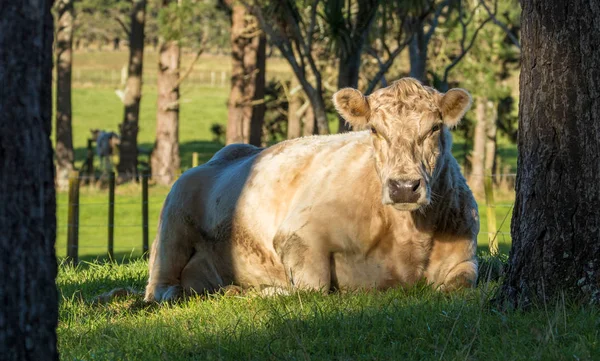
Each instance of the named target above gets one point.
<point>399,324</point>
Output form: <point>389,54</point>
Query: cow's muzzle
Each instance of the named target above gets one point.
<point>407,194</point>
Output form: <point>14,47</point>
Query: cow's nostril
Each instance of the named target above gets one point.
<point>404,191</point>
<point>416,186</point>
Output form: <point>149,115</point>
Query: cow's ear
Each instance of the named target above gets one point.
<point>352,106</point>
<point>454,105</point>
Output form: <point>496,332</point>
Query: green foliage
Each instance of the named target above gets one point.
<point>191,21</point>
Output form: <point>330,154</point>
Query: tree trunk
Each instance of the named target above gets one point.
<point>417,54</point>
<point>491,129</point>
<point>309,122</point>
<point>319,112</point>
<point>556,217</point>
<point>246,110</point>
<point>294,129</point>
<point>165,156</point>
<point>348,77</point>
<point>64,60</point>
<point>28,294</point>
<point>478,153</point>
<point>128,152</point>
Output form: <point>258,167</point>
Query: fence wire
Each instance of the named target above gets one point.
<point>123,240</point>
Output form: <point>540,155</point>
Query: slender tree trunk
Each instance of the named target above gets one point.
<point>246,110</point>
<point>417,54</point>
<point>478,153</point>
<point>491,129</point>
<point>28,295</point>
<point>319,112</point>
<point>556,218</point>
<point>64,61</point>
<point>165,156</point>
<point>309,122</point>
<point>128,152</point>
<point>294,129</point>
<point>348,77</point>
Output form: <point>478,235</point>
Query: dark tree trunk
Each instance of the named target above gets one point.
<point>556,219</point>
<point>246,110</point>
<point>165,156</point>
<point>348,77</point>
<point>64,61</point>
<point>319,112</point>
<point>128,152</point>
<point>417,54</point>
<point>28,295</point>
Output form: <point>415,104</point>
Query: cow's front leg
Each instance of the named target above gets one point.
<point>306,261</point>
<point>453,263</point>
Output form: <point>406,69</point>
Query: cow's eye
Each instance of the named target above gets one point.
<point>436,128</point>
<point>373,130</point>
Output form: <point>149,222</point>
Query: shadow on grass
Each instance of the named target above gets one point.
<point>398,325</point>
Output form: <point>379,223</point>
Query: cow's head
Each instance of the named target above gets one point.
<point>409,125</point>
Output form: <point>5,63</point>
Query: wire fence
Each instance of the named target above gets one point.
<point>121,225</point>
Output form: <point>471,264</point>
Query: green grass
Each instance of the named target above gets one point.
<point>399,324</point>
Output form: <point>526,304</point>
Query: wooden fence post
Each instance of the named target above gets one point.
<point>488,186</point>
<point>111,216</point>
<point>195,159</point>
<point>90,162</point>
<point>145,215</point>
<point>73,215</point>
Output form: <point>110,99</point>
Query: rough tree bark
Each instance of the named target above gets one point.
<point>248,51</point>
<point>128,152</point>
<point>556,219</point>
<point>478,153</point>
<point>64,61</point>
<point>28,295</point>
<point>165,155</point>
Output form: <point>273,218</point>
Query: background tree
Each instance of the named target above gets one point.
<point>348,25</point>
<point>128,152</point>
<point>294,30</point>
<point>182,22</point>
<point>485,70</point>
<point>101,21</point>
<point>556,216</point>
<point>165,155</point>
<point>64,63</point>
<point>28,267</point>
<point>246,108</point>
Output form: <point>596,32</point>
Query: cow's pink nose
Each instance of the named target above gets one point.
<point>404,191</point>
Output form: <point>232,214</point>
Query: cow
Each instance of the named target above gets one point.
<point>106,144</point>
<point>383,206</point>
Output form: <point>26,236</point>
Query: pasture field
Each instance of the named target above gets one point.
<point>399,324</point>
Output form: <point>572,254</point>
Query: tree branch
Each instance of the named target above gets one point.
<point>502,26</point>
<point>123,26</point>
<point>435,21</point>
<point>191,66</point>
